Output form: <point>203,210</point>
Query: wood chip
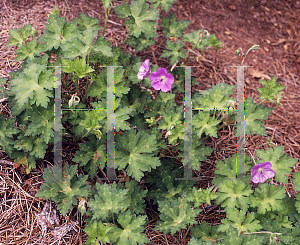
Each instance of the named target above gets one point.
<point>227,32</point>
<point>232,7</point>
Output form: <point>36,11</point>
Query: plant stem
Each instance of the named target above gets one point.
<point>246,56</point>
<point>69,9</point>
<point>186,232</point>
<point>261,101</point>
<point>106,18</point>
<point>125,38</point>
<point>86,89</point>
<point>166,239</point>
<point>76,85</point>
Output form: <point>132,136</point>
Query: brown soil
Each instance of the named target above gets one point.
<point>274,25</point>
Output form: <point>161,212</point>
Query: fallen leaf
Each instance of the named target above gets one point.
<point>258,74</point>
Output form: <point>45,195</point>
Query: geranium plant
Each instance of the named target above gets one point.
<point>145,130</point>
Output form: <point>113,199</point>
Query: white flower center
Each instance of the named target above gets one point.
<point>261,170</point>
<point>162,78</point>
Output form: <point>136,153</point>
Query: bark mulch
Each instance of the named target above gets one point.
<point>274,25</point>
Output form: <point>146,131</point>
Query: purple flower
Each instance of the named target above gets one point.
<point>95,39</point>
<point>161,79</point>
<point>144,70</point>
<point>262,172</point>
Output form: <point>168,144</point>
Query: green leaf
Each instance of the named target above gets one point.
<point>103,46</point>
<point>296,181</point>
<point>39,86</point>
<point>205,232</point>
<point>227,170</point>
<point>85,22</point>
<point>286,236</point>
<point>20,157</point>
<point>106,3</point>
<point>96,232</point>
<point>57,32</point>
<point>203,122</point>
<point>172,28</point>
<point>7,129</point>
<point>233,193</point>
<point>2,83</point>
<point>28,51</point>
<point>141,20</point>
<point>42,123</point>
<point>270,89</point>
<point>79,46</point>
<point>200,196</point>
<point>34,145</point>
<point>108,200</point>
<point>232,237</point>
<point>166,4</point>
<point>240,221</point>
<point>136,100</point>
<point>81,68</point>
<point>166,187</point>
<point>92,155</point>
<point>196,40</point>
<point>266,198</point>
<point>121,114</point>
<point>280,162</point>
<point>136,151</point>
<point>175,215</point>
<point>52,185</point>
<point>55,11</point>
<point>73,187</point>
<point>214,42</point>
<point>199,152</point>
<point>19,36</point>
<point>63,187</point>
<point>141,43</point>
<point>195,241</point>
<point>172,51</point>
<point>135,196</point>
<point>216,97</point>
<point>254,114</point>
<point>131,230</point>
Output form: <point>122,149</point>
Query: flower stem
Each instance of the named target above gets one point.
<point>166,239</point>
<point>106,18</point>
<point>69,9</point>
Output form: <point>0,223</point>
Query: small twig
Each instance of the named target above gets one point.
<point>2,100</point>
<point>7,162</point>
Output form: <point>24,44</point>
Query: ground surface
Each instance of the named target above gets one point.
<point>274,25</point>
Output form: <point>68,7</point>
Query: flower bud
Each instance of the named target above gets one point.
<point>255,47</point>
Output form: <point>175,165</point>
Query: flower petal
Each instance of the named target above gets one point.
<point>165,87</point>
<point>156,84</point>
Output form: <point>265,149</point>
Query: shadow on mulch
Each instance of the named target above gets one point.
<point>274,25</point>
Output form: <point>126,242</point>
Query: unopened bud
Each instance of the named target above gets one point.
<point>255,47</point>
